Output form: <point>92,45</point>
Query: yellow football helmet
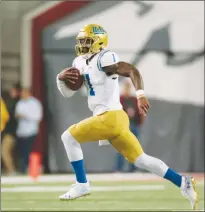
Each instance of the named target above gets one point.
<point>91,39</point>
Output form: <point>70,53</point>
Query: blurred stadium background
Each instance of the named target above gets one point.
<point>164,40</point>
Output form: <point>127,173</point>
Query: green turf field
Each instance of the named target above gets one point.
<point>127,196</point>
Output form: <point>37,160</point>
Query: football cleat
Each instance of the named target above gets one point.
<point>189,191</point>
<point>77,190</point>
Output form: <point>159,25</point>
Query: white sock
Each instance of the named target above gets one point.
<point>72,147</point>
<point>151,164</point>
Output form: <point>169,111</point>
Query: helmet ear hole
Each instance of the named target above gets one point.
<point>101,43</point>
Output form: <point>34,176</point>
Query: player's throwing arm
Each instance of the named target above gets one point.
<point>127,70</point>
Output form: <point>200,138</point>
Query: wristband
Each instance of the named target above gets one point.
<point>140,93</point>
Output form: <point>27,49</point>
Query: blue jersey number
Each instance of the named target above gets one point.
<point>92,92</point>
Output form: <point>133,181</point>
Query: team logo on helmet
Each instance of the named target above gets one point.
<point>98,30</point>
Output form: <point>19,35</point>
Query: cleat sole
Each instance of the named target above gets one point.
<point>67,199</point>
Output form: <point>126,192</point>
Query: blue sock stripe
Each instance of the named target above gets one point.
<point>174,177</point>
<point>79,169</point>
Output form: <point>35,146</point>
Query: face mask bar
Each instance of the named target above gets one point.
<point>84,42</point>
<point>81,50</point>
<point>83,45</point>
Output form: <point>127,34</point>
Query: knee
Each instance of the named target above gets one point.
<point>65,136</point>
<point>143,161</point>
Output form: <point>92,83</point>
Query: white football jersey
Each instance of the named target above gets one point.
<point>103,91</point>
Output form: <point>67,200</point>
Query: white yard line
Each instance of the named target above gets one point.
<point>96,188</point>
<point>71,177</point>
<point>116,177</point>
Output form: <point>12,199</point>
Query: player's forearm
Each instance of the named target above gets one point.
<point>136,79</point>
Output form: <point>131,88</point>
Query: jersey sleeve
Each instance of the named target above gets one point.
<point>108,58</point>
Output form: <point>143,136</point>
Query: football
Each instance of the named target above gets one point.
<point>77,82</point>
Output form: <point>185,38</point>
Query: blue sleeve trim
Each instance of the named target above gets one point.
<point>99,60</point>
<point>113,56</point>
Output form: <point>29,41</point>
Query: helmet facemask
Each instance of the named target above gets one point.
<point>84,45</point>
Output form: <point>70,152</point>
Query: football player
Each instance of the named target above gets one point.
<point>101,68</point>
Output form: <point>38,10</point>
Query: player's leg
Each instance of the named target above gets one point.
<point>158,167</point>
<point>91,129</point>
<point>8,143</point>
<point>129,146</point>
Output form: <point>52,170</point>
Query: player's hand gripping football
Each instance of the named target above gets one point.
<point>143,105</point>
<point>68,75</point>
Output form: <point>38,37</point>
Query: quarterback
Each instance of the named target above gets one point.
<point>101,68</point>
